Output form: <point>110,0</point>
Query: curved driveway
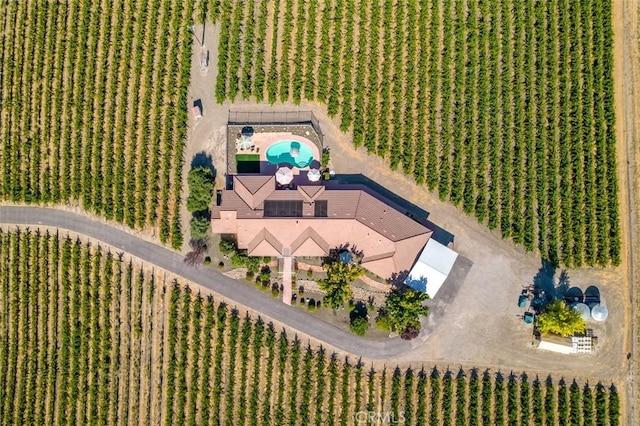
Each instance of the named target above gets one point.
<point>206,277</point>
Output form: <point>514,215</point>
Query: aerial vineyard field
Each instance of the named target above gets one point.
<point>93,107</point>
<point>89,338</point>
<point>503,107</point>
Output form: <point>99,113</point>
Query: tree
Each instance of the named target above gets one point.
<point>200,188</point>
<point>402,311</point>
<point>199,226</point>
<point>359,325</point>
<point>561,319</point>
<point>196,255</point>
<point>337,285</point>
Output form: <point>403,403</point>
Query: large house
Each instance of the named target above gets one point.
<point>309,220</point>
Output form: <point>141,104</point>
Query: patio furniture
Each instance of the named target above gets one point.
<point>528,318</point>
<point>522,301</point>
<point>314,175</point>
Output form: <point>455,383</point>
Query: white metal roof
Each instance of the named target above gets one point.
<point>556,347</point>
<point>431,268</point>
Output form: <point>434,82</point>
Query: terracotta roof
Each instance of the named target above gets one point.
<point>215,212</point>
<point>253,183</point>
<point>265,241</point>
<point>385,220</point>
<point>254,189</point>
<point>390,240</point>
<point>310,234</point>
<point>310,193</point>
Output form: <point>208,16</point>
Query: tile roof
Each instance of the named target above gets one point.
<point>254,189</point>
<point>389,239</point>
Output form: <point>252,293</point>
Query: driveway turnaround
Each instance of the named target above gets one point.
<point>229,288</point>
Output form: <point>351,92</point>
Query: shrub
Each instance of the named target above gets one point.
<point>309,273</point>
<point>221,265</point>
<point>382,321</point>
<point>410,332</point>
<point>359,325</point>
<point>326,156</point>
<point>227,247</point>
<point>238,259</point>
<point>250,275</point>
<point>253,263</point>
<point>265,274</point>
<point>311,305</point>
<point>207,261</point>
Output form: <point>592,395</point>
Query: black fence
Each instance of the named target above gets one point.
<point>277,118</point>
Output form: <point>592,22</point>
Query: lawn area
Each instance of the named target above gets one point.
<point>248,163</point>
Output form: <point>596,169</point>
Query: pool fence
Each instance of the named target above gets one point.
<point>277,118</point>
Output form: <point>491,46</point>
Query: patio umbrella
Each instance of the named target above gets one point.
<point>245,142</point>
<point>284,175</point>
<point>599,312</point>
<point>314,175</point>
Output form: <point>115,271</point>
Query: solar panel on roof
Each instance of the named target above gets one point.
<point>320,207</point>
<point>282,208</point>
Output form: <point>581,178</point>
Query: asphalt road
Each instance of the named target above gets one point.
<point>228,288</point>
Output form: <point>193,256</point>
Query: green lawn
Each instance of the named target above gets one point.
<point>248,163</point>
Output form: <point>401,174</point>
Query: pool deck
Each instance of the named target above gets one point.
<point>261,143</point>
<point>267,135</point>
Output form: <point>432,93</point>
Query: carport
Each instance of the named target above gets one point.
<point>432,268</point>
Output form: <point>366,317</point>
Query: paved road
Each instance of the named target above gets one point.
<point>230,289</point>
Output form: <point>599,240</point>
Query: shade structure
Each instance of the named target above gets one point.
<point>314,175</point>
<point>599,312</point>
<point>583,309</point>
<point>432,268</point>
<point>284,175</point>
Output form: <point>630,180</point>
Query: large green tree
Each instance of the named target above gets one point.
<point>403,309</point>
<point>199,224</point>
<point>337,285</point>
<point>200,188</point>
<point>561,319</point>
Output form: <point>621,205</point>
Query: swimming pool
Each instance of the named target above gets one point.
<point>295,153</point>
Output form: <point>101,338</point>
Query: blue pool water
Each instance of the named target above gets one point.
<point>280,152</point>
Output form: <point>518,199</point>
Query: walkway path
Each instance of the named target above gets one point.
<point>228,288</point>
<point>287,266</point>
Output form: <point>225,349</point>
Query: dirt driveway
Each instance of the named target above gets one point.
<point>481,326</point>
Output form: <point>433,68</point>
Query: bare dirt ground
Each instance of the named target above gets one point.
<point>626,75</point>
<point>481,327</point>
<point>207,135</point>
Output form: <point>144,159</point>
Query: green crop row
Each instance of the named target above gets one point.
<point>504,108</point>
<point>88,337</point>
